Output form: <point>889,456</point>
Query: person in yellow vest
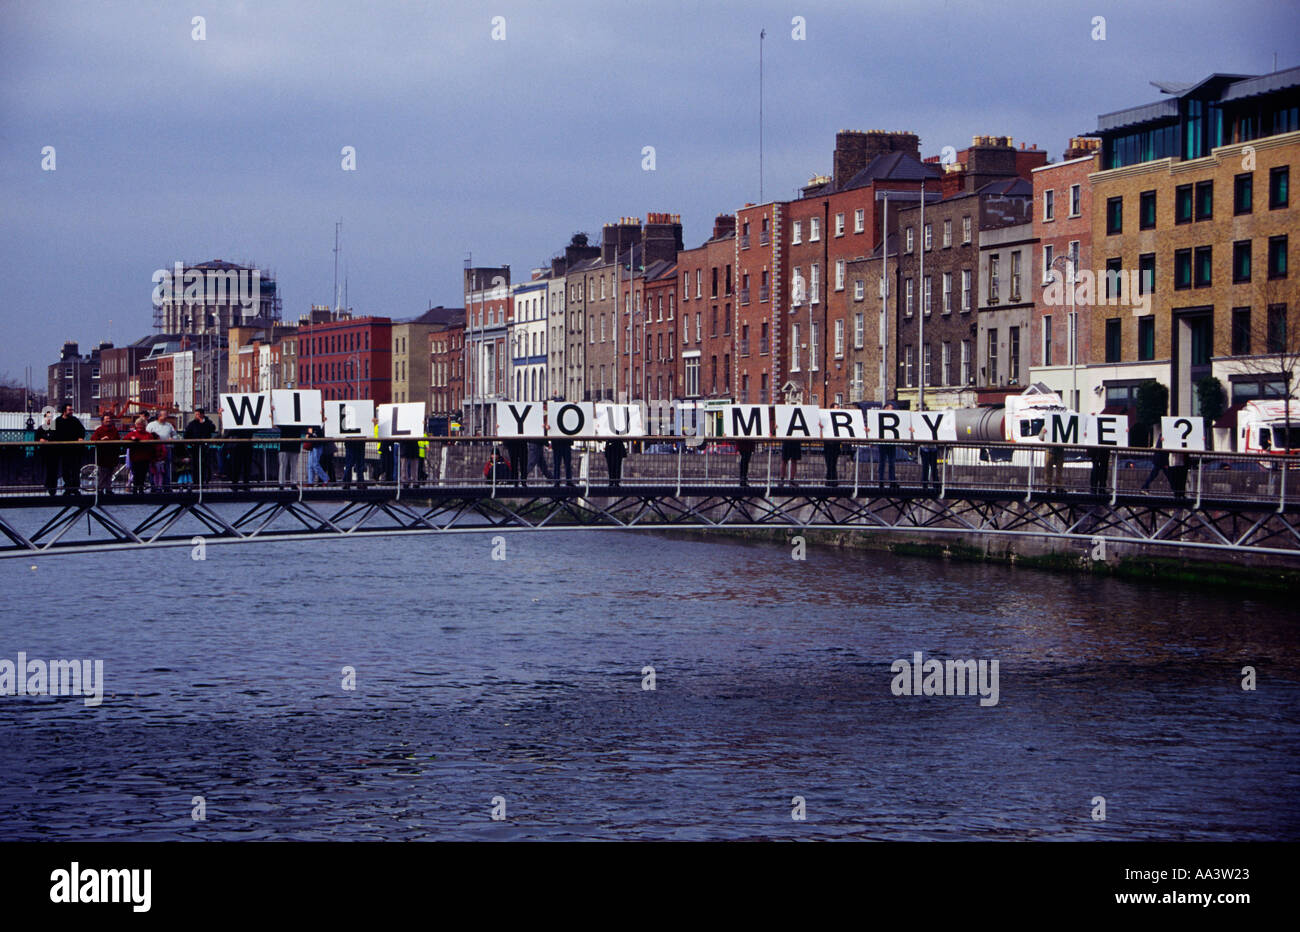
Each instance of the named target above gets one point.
<point>424,458</point>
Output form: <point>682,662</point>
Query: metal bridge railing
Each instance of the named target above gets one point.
<point>30,471</point>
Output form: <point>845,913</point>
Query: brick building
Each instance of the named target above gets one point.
<point>760,262</point>
<point>349,357</point>
<point>708,292</point>
<point>447,369</point>
<point>1062,219</point>
<point>660,379</point>
<point>1194,197</point>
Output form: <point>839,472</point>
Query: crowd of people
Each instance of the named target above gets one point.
<point>158,459</point>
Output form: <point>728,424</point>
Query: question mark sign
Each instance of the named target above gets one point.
<point>1186,425</point>
<point>947,155</point>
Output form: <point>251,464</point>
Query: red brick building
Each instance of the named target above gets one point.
<point>1062,217</point>
<point>659,368</point>
<point>760,258</point>
<point>348,358</point>
<point>447,370</point>
<point>708,282</point>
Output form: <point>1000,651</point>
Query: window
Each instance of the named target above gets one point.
<point>947,292</point>
<point>965,229</point>
<point>1277,257</point>
<point>1183,204</point>
<point>945,362</point>
<point>1076,201</point>
<point>1147,273</point>
<point>1013,354</point>
<point>859,289</point>
<point>1074,258</point>
<point>1049,205</point>
<point>839,339</point>
<point>1203,266</point>
<point>839,274</point>
<point>859,220</point>
<point>839,224</point>
<point>1047,339</point>
<point>812,347</point>
<point>796,287</point>
<point>1113,339</point>
<point>907,297</point>
<point>947,233</point>
<point>1015,275</point>
<point>1114,280</point>
<point>907,240</point>
<point>1241,261</point>
<point>713,289</point>
<point>965,289</point>
<point>698,331</point>
<point>925,294</point>
<point>857,330</point>
<point>728,278</point>
<point>1241,331</point>
<point>929,236</point>
<point>993,278</point>
<point>1048,258</point>
<point>763,342</point>
<point>1243,193</point>
<point>926,356</point>
<point>1279,187</point>
<point>814,284</point>
<point>699,278</point>
<point>794,348</point>
<point>1204,200</point>
<point>1114,215</point>
<point>1147,210</point>
<point>1146,338</point>
<point>686,286</point>
<point>1276,342</point>
<point>993,356</point>
<point>796,232</point>
<point>909,363</point>
<point>1182,268</point>
<point>965,363</point>
<point>814,229</point>
<point>692,376</point>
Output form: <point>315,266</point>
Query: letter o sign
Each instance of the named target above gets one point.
<point>560,422</point>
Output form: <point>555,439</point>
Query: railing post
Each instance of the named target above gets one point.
<point>1114,479</point>
<point>442,465</point>
<point>681,444</point>
<point>1200,463</point>
<point>856,451</point>
<point>769,471</point>
<point>1281,498</point>
<point>943,473</point>
<point>492,470</point>
<point>706,462</point>
<point>397,468</point>
<point>198,476</point>
<point>1029,476</point>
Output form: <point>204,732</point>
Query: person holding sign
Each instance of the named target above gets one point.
<point>615,451</point>
<point>791,453</point>
<point>745,447</point>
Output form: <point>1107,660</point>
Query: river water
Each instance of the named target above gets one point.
<point>522,678</point>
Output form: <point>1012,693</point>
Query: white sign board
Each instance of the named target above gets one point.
<point>796,422</point>
<point>572,419</point>
<point>520,419</point>
<point>245,411</point>
<point>619,420</point>
<point>934,426</point>
<point>401,421</point>
<point>889,425</point>
<point>1106,430</point>
<point>842,424</point>
<point>1182,433</point>
<point>299,407</point>
<point>349,418</point>
<point>745,421</point>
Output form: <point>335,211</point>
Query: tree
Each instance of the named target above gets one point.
<point>14,395</point>
<point>1211,399</point>
<point>578,239</point>
<point>1152,405</point>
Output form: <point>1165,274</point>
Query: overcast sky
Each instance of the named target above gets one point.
<point>173,149</point>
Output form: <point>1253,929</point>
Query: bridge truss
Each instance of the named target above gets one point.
<point>33,527</point>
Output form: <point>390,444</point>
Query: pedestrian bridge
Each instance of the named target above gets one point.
<point>1210,502</point>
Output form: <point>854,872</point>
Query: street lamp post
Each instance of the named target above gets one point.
<point>1072,331</point>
